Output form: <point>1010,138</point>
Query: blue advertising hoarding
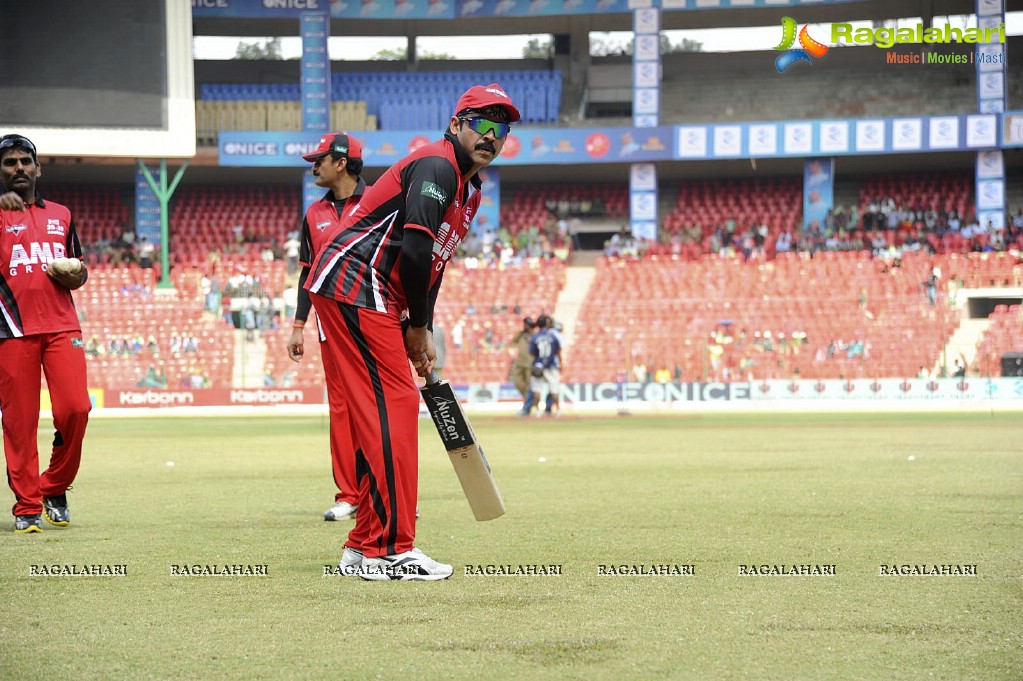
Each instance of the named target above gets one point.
<point>147,207</point>
<point>525,146</point>
<point>704,142</point>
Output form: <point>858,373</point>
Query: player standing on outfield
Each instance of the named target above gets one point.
<point>337,165</point>
<point>545,348</point>
<point>39,332</point>
<point>522,363</point>
<point>388,258</point>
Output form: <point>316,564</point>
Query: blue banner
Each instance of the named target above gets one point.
<point>147,207</point>
<point>525,146</point>
<point>489,215</point>
<point>316,100</point>
<point>315,72</point>
<point>771,139</point>
<point>818,191</point>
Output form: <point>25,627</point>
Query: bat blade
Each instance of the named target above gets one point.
<point>466,454</point>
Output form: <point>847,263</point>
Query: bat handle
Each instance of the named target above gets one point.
<point>431,378</point>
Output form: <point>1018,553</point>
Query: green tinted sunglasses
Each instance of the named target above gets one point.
<point>483,126</point>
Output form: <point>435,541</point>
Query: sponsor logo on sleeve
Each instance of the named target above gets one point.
<point>433,191</point>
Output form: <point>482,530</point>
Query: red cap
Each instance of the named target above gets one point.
<point>336,143</point>
<point>480,97</point>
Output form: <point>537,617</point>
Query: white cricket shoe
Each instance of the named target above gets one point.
<point>351,562</point>
<point>412,565</point>
<point>340,511</point>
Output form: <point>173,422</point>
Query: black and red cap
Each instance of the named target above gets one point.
<point>339,143</point>
<point>481,97</point>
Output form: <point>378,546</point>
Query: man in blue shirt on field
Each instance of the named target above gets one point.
<point>545,348</point>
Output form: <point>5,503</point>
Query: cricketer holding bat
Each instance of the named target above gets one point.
<point>386,259</point>
<point>39,332</point>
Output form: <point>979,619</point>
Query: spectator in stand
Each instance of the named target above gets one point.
<point>94,346</point>
<point>958,368</point>
<point>146,252</point>
<point>198,379</point>
<point>784,242</point>
<point>153,378</point>
<point>292,247</point>
<point>931,286</point>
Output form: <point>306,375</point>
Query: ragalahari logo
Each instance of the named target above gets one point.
<point>810,47</point>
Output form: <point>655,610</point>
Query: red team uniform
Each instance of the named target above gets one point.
<point>359,299</point>
<point>319,221</point>
<point>39,332</point>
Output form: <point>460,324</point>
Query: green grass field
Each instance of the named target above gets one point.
<point>711,491</point>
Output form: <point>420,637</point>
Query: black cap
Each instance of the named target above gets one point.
<point>543,322</point>
<point>15,141</point>
<point>528,321</point>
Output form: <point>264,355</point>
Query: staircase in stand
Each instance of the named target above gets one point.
<point>577,285</point>
<point>962,344</point>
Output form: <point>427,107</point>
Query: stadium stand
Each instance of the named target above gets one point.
<point>482,308</point>
<point>100,211</point>
<point>365,101</point>
<point>129,328</point>
<point>534,203</point>
<point>1003,336</point>
<point>214,115</point>
<point>225,233</point>
<point>237,222</point>
<point>279,371</point>
<point>775,202</point>
<point>833,315</point>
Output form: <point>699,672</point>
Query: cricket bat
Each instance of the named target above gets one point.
<point>464,449</point>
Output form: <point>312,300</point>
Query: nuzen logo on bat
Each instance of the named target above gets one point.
<point>810,47</point>
<point>445,419</point>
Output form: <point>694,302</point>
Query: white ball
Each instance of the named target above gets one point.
<point>170,463</point>
<point>66,265</point>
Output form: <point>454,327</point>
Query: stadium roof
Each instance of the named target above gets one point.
<point>670,20</point>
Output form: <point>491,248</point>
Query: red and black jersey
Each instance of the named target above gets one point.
<point>30,302</point>
<point>427,190</point>
<point>321,219</point>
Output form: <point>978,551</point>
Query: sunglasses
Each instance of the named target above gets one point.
<point>17,141</point>
<point>482,126</point>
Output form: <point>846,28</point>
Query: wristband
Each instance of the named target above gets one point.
<point>299,325</point>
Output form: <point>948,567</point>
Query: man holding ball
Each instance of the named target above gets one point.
<point>39,333</point>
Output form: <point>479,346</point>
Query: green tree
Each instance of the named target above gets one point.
<point>443,56</point>
<point>271,49</point>
<point>537,49</point>
<point>608,46</point>
<point>401,54</point>
<point>684,45</point>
